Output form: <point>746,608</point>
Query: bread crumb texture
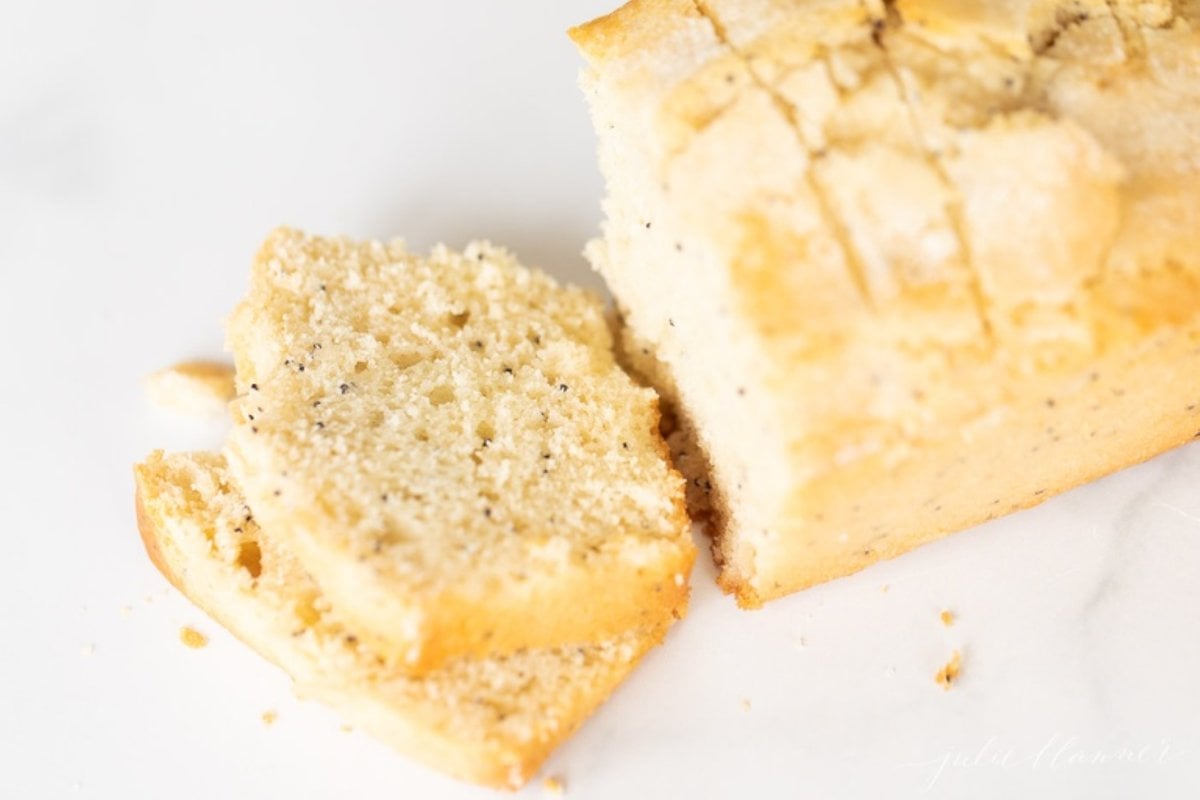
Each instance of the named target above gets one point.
<point>900,267</point>
<point>949,673</point>
<point>270,717</point>
<point>488,720</point>
<point>947,617</point>
<point>451,449</point>
<point>553,786</point>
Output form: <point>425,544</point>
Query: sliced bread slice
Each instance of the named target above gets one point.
<point>451,451</point>
<point>491,721</point>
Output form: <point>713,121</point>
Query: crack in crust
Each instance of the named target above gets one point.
<point>789,112</point>
<point>933,159</point>
<point>1064,21</point>
<point>1131,35</point>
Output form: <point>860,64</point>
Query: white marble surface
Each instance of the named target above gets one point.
<point>145,148</point>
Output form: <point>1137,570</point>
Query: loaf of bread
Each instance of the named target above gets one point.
<point>901,267</point>
<point>449,448</point>
<point>491,720</point>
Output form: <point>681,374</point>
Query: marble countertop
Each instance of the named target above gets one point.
<point>146,148</point>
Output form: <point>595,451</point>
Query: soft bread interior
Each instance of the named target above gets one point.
<point>448,446</point>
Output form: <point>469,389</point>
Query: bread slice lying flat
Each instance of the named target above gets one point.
<point>491,721</point>
<point>450,450</point>
<point>902,267</point>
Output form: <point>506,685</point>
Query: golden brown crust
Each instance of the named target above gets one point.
<point>629,29</point>
<point>601,598</point>
<point>172,563</point>
<point>1059,436</point>
<point>197,388</point>
<point>150,534</point>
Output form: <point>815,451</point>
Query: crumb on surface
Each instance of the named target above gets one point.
<point>884,589</point>
<point>745,704</point>
<point>192,637</point>
<point>947,617</point>
<point>193,388</point>
<point>553,786</point>
<point>346,728</point>
<point>270,716</point>
<point>949,673</point>
<point>126,610</point>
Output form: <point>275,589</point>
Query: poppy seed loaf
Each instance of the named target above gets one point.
<point>490,721</point>
<point>449,448</point>
<point>902,267</point>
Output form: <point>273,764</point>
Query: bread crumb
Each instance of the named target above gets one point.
<point>193,388</point>
<point>745,704</point>
<point>553,786</point>
<point>192,637</point>
<point>884,589</point>
<point>346,729</point>
<point>126,610</point>
<point>269,716</point>
<point>949,673</point>
<point>947,618</point>
<point>88,649</point>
